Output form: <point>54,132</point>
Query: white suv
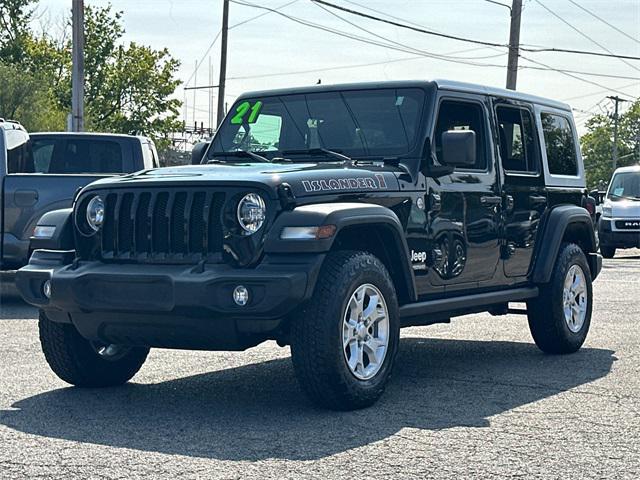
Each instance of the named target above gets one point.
<point>620,221</point>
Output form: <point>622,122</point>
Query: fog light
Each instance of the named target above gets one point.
<point>46,288</point>
<point>241,295</point>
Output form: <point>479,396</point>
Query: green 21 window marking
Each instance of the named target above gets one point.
<point>246,108</point>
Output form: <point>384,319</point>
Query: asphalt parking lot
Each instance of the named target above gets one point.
<point>473,398</point>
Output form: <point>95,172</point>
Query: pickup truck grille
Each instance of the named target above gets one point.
<point>159,225</point>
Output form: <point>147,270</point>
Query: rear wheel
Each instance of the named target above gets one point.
<point>344,341</point>
<point>560,317</point>
<point>607,252</point>
<point>80,362</point>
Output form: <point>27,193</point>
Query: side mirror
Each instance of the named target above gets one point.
<point>428,164</point>
<point>197,152</point>
<point>459,148</point>
<point>596,196</point>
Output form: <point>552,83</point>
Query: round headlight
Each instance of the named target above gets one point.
<point>251,212</point>
<point>95,213</point>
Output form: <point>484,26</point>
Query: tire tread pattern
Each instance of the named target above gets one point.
<point>319,366</point>
<point>73,359</point>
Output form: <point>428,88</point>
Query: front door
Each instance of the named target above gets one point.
<point>525,198</point>
<point>465,206</point>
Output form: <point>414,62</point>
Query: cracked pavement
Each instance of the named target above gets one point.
<point>474,398</point>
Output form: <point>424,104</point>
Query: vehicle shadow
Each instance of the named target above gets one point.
<point>258,411</point>
<point>14,308</point>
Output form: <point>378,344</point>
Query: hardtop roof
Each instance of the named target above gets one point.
<point>631,168</point>
<point>440,84</point>
<point>87,134</point>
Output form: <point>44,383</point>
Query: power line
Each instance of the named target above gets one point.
<point>600,92</point>
<point>580,72</point>
<point>366,40</point>
<point>566,73</point>
<point>604,21</point>
<point>215,39</point>
<point>498,3</point>
<point>582,34</point>
<point>469,40</point>
<point>447,58</point>
<point>386,39</point>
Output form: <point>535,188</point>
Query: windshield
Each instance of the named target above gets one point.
<point>625,185</point>
<point>358,124</point>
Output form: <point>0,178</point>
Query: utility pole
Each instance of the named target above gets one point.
<point>617,100</point>
<point>77,74</point>
<point>223,61</point>
<point>514,44</point>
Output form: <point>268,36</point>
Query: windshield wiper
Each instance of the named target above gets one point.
<point>319,151</point>
<point>242,153</point>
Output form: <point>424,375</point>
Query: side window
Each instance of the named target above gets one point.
<point>154,156</point>
<point>19,153</point>
<point>517,140</point>
<point>458,115</point>
<point>560,145</point>
<point>87,156</point>
<point>42,153</point>
<point>147,156</point>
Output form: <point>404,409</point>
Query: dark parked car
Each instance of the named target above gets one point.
<point>42,172</point>
<point>327,218</point>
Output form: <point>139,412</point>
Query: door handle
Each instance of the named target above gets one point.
<point>490,201</point>
<point>537,200</point>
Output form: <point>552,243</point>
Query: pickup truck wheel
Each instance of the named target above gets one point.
<point>560,317</point>
<point>345,339</point>
<point>607,252</point>
<point>83,363</point>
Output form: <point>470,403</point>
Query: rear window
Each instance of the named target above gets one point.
<point>76,156</point>
<point>560,145</point>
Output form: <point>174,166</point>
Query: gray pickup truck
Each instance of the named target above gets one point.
<point>41,172</point>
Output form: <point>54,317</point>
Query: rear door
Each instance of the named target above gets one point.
<point>525,198</point>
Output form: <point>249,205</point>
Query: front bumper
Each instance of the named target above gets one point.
<point>617,238</point>
<point>175,306</point>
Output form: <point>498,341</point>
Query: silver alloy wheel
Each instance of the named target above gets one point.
<point>574,298</point>
<point>365,332</point>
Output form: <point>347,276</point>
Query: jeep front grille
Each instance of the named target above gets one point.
<point>162,225</point>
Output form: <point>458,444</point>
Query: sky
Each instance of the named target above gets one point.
<point>266,52</point>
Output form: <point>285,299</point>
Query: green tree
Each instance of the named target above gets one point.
<point>128,87</point>
<point>27,98</point>
<point>15,16</point>
<point>597,144</point>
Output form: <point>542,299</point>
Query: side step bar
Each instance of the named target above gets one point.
<point>475,302</point>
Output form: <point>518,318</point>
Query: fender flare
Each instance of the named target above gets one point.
<point>342,215</point>
<point>558,221</point>
<point>62,238</point>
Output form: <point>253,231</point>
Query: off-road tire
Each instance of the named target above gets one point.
<point>607,252</point>
<point>545,313</point>
<point>316,338</point>
<point>74,360</point>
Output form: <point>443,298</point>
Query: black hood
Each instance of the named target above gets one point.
<point>305,179</point>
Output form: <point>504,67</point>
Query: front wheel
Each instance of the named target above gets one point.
<point>344,341</point>
<point>560,317</point>
<point>80,362</point>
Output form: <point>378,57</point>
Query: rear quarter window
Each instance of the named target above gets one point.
<point>560,145</point>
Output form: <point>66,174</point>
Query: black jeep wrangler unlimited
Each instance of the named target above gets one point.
<point>326,218</point>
